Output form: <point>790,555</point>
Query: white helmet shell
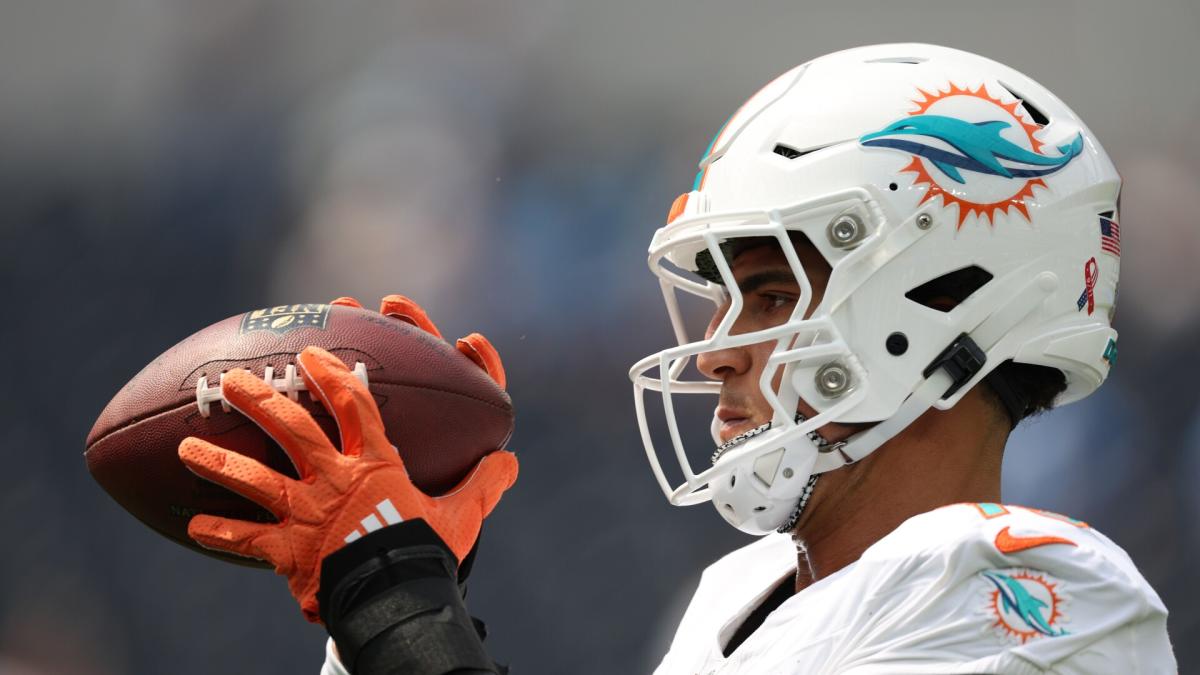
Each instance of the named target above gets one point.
<point>901,164</point>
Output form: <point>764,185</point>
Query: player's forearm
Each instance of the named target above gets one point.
<point>392,604</point>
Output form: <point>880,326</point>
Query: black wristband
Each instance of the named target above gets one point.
<point>392,604</point>
<point>378,561</point>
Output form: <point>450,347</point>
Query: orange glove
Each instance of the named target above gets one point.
<point>474,346</point>
<point>339,495</point>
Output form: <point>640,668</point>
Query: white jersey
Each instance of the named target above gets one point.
<point>333,665</point>
<point>969,588</point>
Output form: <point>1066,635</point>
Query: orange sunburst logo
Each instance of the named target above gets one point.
<point>995,188</point>
<point>1024,605</point>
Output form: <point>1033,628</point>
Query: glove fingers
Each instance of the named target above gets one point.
<point>239,473</point>
<point>464,508</point>
<point>239,537</point>
<point>282,419</point>
<point>408,311</point>
<point>348,400</point>
<point>480,350</point>
<point>497,473</point>
<point>347,301</point>
<point>484,486</point>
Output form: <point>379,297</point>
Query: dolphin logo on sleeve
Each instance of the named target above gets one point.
<point>952,145</point>
<point>1016,599</point>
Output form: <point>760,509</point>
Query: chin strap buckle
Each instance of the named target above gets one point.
<point>962,360</point>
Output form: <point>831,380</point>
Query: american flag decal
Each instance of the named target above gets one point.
<point>1110,236</point>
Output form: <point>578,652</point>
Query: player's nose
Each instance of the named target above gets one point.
<point>721,364</point>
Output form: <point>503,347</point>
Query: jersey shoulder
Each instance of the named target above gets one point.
<point>1002,585</point>
<point>978,535</point>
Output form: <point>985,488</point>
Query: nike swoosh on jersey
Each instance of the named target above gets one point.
<point>1007,543</point>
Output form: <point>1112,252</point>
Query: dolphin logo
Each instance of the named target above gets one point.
<point>1017,599</point>
<point>979,146</point>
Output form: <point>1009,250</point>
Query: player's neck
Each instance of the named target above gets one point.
<point>943,458</point>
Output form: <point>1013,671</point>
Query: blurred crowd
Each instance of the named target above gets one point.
<point>170,164</point>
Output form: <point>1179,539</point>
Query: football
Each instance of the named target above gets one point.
<point>441,411</point>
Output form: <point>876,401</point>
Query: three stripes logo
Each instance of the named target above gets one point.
<point>372,522</point>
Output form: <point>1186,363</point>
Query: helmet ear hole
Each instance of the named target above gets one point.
<point>951,289</point>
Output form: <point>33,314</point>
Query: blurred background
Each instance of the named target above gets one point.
<point>168,164</point>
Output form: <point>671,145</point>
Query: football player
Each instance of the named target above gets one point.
<point>908,249</point>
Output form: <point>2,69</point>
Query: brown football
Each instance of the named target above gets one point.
<point>439,409</point>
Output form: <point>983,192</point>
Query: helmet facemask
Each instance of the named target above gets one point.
<point>773,463</point>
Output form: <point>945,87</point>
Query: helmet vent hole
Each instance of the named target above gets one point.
<point>759,509</point>
<point>908,60</point>
<point>785,151</point>
<point>893,187</point>
<point>792,153</point>
<point>732,481</point>
<point>950,290</point>
<point>1035,114</point>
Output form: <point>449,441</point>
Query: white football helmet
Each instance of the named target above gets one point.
<point>902,164</point>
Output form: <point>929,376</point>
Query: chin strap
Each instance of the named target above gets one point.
<point>945,375</point>
<point>863,444</point>
<point>952,369</point>
<point>802,502</point>
<point>841,453</point>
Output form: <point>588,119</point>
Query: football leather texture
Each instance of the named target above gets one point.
<point>441,411</point>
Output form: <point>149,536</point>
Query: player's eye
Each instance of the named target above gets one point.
<point>772,303</point>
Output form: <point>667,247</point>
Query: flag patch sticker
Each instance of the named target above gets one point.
<point>1110,236</point>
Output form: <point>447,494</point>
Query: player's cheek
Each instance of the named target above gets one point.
<point>717,317</point>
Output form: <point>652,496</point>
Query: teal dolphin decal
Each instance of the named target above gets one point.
<point>980,147</point>
<point>1017,599</point>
